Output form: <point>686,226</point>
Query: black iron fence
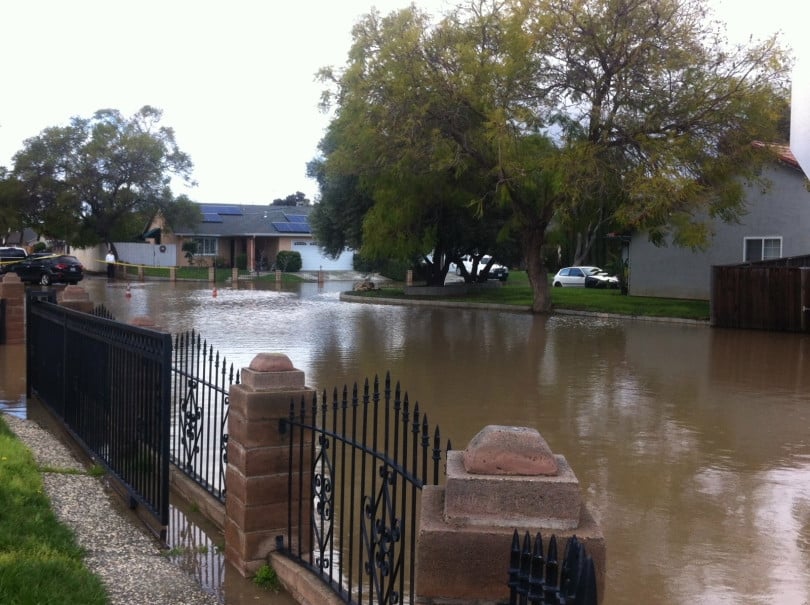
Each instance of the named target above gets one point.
<point>365,459</point>
<point>109,383</point>
<point>201,380</point>
<point>538,577</point>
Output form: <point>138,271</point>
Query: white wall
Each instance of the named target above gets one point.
<point>800,111</point>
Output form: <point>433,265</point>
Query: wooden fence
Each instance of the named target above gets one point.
<point>768,295</point>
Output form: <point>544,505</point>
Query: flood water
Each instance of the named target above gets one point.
<point>691,444</point>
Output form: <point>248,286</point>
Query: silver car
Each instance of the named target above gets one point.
<point>584,277</point>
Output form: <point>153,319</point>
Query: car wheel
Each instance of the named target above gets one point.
<point>45,280</point>
<point>557,284</point>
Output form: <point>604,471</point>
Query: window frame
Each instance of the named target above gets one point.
<point>763,239</point>
<point>202,249</point>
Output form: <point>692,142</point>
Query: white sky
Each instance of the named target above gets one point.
<point>234,79</point>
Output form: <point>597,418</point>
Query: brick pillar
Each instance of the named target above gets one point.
<point>12,290</point>
<point>172,274</point>
<point>76,298</point>
<point>212,275</point>
<point>506,479</point>
<point>235,275</point>
<point>258,459</point>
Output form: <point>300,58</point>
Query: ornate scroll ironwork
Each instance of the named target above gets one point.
<point>190,414</point>
<point>323,496</point>
<point>382,531</point>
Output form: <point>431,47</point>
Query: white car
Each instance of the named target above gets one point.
<point>496,271</point>
<point>584,277</point>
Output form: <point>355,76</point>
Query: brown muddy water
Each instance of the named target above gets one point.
<point>691,444</point>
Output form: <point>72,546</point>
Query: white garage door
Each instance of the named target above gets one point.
<point>312,259</point>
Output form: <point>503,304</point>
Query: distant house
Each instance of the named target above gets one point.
<point>776,224</point>
<point>257,234</point>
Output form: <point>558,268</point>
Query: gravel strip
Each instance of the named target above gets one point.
<point>122,554</point>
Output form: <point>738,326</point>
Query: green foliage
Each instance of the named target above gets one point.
<point>289,261</point>
<point>40,247</point>
<point>267,578</point>
<point>590,116</point>
<point>189,249</point>
<point>40,561</point>
<point>101,179</point>
<point>296,199</point>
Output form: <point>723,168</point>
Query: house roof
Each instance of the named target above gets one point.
<point>240,220</point>
<point>783,153</point>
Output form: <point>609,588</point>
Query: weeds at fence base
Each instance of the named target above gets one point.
<point>267,578</point>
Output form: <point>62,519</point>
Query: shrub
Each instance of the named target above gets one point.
<point>267,578</point>
<point>289,261</point>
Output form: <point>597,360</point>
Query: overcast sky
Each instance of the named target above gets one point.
<point>234,79</point>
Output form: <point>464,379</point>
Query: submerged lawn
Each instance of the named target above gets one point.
<point>516,291</point>
<point>40,562</point>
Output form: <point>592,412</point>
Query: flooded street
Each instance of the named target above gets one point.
<point>691,445</point>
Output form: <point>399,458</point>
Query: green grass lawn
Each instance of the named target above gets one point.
<point>40,561</point>
<point>516,291</point>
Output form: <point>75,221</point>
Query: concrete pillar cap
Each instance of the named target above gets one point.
<point>509,450</point>
<point>11,278</point>
<point>271,362</point>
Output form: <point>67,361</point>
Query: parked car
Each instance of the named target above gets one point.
<point>496,271</point>
<point>9,256</point>
<point>47,268</point>
<point>584,277</point>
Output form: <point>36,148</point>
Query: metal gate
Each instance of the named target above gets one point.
<point>370,457</point>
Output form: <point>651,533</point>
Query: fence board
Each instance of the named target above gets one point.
<point>760,296</point>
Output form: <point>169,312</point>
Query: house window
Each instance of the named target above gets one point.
<point>206,246</point>
<point>762,248</point>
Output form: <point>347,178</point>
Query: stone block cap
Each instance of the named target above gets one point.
<point>271,362</point>
<point>509,450</point>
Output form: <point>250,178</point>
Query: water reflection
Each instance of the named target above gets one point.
<point>691,444</point>
<point>12,380</point>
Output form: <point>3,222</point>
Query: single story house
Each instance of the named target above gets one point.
<point>775,225</point>
<point>259,233</point>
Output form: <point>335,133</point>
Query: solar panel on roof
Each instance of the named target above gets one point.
<point>296,218</point>
<point>223,210</point>
<point>283,227</point>
<point>211,217</point>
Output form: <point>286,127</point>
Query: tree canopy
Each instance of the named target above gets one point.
<point>633,113</point>
<point>295,199</point>
<point>101,179</point>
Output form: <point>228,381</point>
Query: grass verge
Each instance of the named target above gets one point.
<point>517,291</point>
<point>40,561</point>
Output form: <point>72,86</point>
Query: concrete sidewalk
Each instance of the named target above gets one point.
<point>126,558</point>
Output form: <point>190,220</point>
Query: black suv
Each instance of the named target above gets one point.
<point>47,268</point>
<point>9,256</point>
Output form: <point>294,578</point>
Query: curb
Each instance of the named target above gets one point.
<point>348,297</point>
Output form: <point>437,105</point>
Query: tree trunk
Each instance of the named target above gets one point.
<point>537,271</point>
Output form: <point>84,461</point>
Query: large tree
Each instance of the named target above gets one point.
<point>390,183</point>
<point>101,179</point>
<point>572,113</point>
